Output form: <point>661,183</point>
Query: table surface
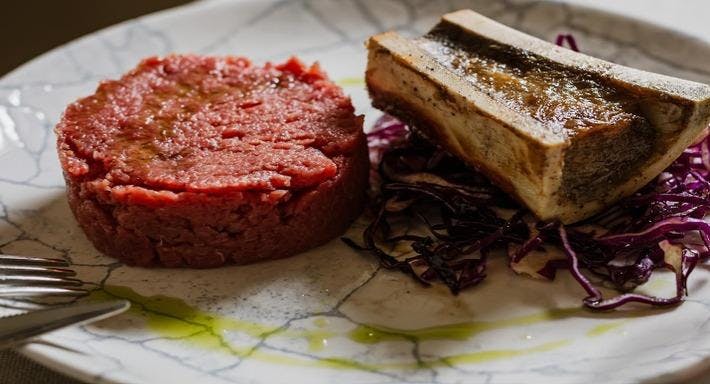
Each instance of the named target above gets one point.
<point>61,21</point>
<point>689,16</point>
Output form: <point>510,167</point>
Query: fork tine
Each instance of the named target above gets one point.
<point>16,291</point>
<point>29,260</point>
<point>34,270</point>
<point>27,276</point>
<point>35,280</point>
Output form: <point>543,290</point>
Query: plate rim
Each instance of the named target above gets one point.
<point>35,351</point>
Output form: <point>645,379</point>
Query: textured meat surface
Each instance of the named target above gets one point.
<point>201,161</point>
<point>208,124</point>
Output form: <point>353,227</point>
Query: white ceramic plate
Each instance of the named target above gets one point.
<point>309,319</point>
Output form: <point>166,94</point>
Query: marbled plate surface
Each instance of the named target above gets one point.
<point>330,315</point>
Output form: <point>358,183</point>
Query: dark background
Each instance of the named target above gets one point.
<point>32,27</point>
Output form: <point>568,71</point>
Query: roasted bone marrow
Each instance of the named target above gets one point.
<point>564,133</point>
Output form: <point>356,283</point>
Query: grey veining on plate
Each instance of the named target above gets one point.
<point>324,316</point>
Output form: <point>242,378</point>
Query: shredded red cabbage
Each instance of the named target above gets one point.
<point>466,217</point>
<point>567,40</point>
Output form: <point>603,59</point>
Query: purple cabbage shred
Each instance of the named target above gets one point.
<point>466,218</point>
<point>567,40</point>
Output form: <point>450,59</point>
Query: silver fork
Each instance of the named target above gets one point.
<point>24,276</point>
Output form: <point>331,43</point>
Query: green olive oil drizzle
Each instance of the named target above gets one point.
<point>351,82</point>
<point>172,318</point>
<point>602,329</point>
<point>371,335</point>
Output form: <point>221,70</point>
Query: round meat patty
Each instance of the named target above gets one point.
<point>202,161</point>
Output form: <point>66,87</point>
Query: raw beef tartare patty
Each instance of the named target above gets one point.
<point>201,161</point>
